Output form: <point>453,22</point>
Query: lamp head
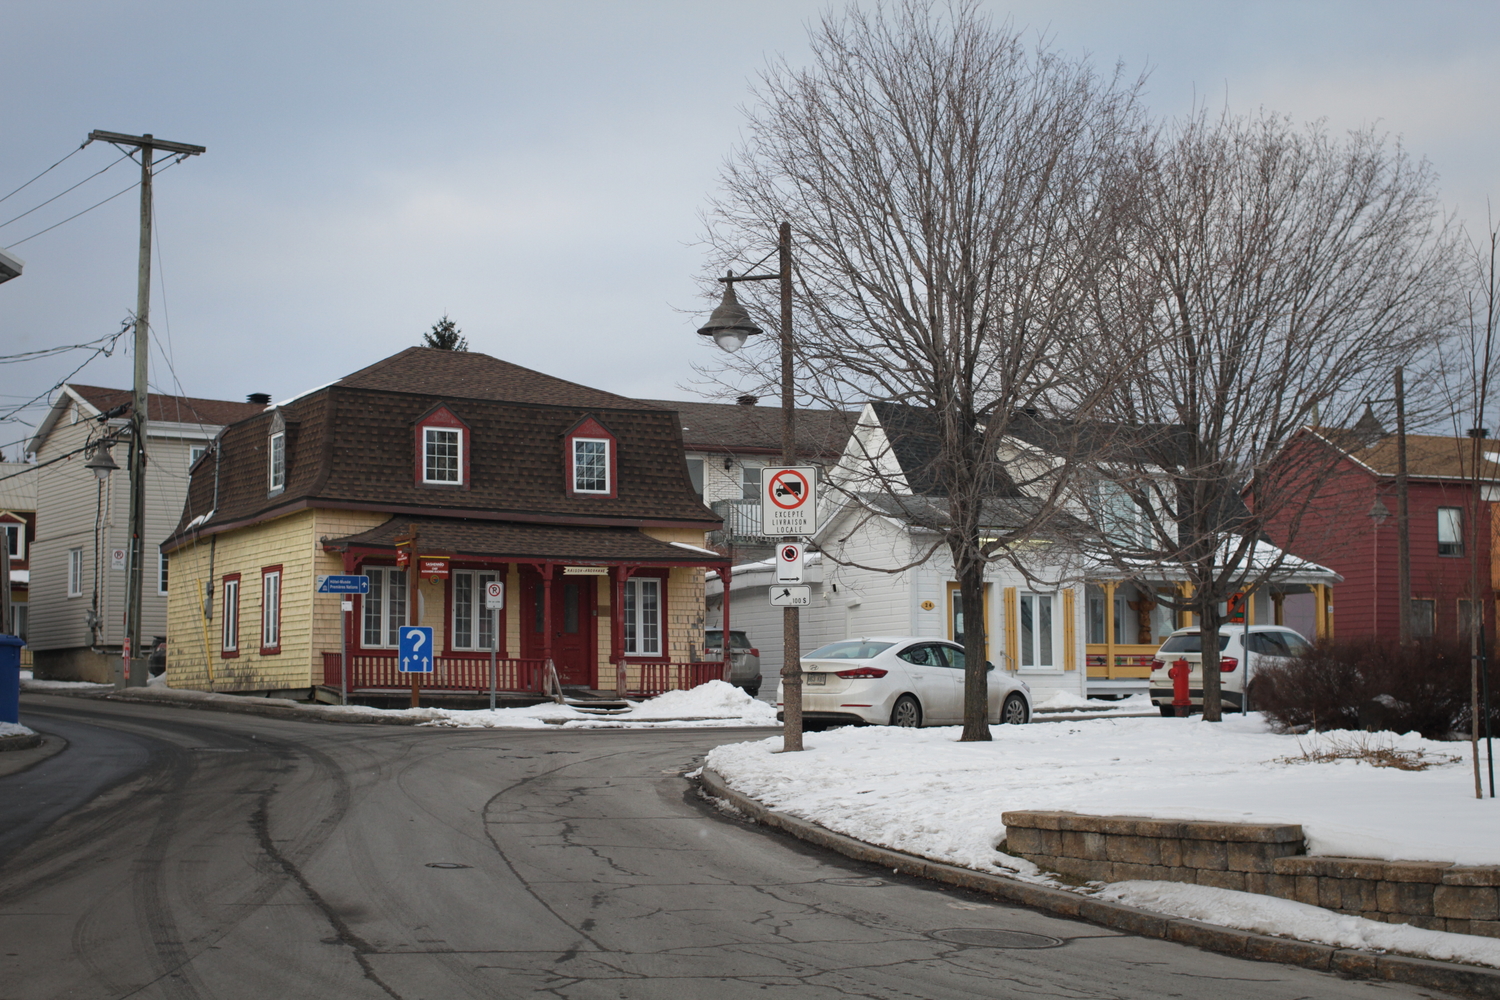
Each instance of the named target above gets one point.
<point>102,463</point>
<point>730,324</point>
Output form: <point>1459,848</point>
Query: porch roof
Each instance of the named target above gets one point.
<point>527,542</point>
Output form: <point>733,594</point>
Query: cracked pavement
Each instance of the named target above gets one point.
<point>171,853</point>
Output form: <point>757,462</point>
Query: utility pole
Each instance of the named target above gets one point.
<point>1403,517</point>
<point>132,664</point>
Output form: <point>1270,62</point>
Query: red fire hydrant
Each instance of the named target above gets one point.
<point>1179,674</point>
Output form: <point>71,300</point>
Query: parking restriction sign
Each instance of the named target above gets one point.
<point>789,562</point>
<point>788,501</point>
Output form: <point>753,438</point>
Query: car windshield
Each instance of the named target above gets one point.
<point>714,639</point>
<point>848,649</point>
<point>1190,643</point>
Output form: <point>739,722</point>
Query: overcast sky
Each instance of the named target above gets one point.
<point>535,169</point>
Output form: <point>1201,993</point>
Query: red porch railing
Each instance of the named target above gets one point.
<point>453,673</point>
<point>654,678</point>
<point>472,673</point>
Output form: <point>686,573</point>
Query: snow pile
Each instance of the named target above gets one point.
<point>14,729</point>
<point>921,791</point>
<point>1286,918</point>
<point>712,704</point>
<point>29,683</point>
<point>1067,701</point>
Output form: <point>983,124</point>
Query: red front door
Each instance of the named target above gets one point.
<point>573,626</point>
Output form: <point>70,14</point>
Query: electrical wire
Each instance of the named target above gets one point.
<point>9,359</point>
<point>91,207</point>
<point>44,173</point>
<point>106,350</point>
<point>61,193</point>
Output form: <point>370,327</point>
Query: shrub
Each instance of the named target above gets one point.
<point>1374,684</point>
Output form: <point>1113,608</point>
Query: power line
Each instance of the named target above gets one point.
<point>61,193</point>
<point>107,349</point>
<point>44,173</point>
<point>10,359</point>
<point>90,208</point>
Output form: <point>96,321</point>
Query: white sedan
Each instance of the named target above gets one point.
<point>899,682</point>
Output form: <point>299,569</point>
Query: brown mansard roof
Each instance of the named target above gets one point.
<point>352,445</point>
<point>508,540</point>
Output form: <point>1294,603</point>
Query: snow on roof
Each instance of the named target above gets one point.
<point>1261,558</point>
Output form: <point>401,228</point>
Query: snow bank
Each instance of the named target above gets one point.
<point>29,683</point>
<point>712,704</point>
<point>14,729</point>
<point>1067,701</point>
<point>1249,911</point>
<point>713,700</point>
<point>923,792</point>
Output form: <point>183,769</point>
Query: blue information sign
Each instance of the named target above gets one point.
<point>343,584</point>
<point>416,650</point>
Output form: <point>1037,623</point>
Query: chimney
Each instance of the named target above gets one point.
<point>259,398</point>
<point>1368,430</point>
<point>748,400</point>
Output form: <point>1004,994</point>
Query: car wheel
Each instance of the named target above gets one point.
<point>753,688</point>
<point>907,713</point>
<point>1014,711</point>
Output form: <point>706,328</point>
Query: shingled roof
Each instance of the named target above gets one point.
<point>350,445</point>
<point>1428,456</point>
<point>738,428</point>
<point>508,540</point>
<point>174,409</point>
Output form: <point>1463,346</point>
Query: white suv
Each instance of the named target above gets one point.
<point>1242,651</point>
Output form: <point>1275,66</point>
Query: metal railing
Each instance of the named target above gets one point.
<point>741,523</point>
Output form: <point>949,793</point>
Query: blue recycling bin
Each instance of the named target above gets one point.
<point>10,677</point>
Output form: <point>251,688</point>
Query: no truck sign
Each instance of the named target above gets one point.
<point>788,504</point>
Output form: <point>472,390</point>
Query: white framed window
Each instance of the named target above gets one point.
<point>230,641</point>
<point>195,453</point>
<point>15,540</point>
<point>384,608</point>
<point>590,465</point>
<point>750,482</point>
<point>695,475</point>
<point>442,455</point>
<point>270,610</point>
<point>1450,527</point>
<point>1035,632</point>
<point>161,572</point>
<point>278,462</point>
<point>473,626</point>
<point>643,616</point>
<point>75,572</point>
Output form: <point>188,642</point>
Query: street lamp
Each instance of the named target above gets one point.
<point>102,463</point>
<point>10,266</point>
<point>730,326</point>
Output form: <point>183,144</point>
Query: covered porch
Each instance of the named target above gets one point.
<point>587,610</point>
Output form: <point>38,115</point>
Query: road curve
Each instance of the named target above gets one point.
<point>179,854</point>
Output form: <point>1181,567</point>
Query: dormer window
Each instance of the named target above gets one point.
<point>278,462</point>
<point>591,460</point>
<point>442,457</point>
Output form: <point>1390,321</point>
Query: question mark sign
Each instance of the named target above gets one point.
<point>421,638</point>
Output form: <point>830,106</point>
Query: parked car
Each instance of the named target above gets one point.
<point>744,659</point>
<point>1242,651</point>
<point>904,681</point>
<point>156,662</point>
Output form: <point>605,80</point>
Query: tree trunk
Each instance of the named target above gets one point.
<point>1209,623</point>
<point>976,676</point>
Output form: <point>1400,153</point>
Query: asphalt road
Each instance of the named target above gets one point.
<point>170,853</point>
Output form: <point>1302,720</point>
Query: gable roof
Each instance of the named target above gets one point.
<point>914,434</point>
<point>1161,445</point>
<point>737,428</point>
<point>351,445</point>
<point>94,400</point>
<point>470,375</point>
<point>1428,456</point>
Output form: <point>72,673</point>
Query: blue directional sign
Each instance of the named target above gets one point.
<point>343,584</point>
<point>416,650</point>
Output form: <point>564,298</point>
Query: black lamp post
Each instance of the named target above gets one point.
<point>730,326</point>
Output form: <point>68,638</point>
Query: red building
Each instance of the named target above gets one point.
<point>1350,526</point>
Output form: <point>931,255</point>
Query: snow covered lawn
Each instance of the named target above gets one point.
<point>924,792</point>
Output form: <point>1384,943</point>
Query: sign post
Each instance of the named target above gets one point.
<point>494,602</point>
<point>343,584</point>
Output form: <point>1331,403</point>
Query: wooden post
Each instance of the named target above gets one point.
<point>1109,628</point>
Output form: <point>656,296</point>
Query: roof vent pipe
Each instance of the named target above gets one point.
<point>748,400</point>
<point>259,398</point>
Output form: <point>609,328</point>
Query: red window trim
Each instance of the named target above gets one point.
<point>590,427</point>
<point>224,581</point>
<point>266,571</point>
<point>442,416</point>
<point>664,575</point>
<point>503,573</point>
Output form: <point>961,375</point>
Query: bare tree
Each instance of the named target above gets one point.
<point>951,191</point>
<point>1278,276</point>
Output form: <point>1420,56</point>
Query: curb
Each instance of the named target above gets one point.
<point>1461,979</point>
<point>22,741</point>
<point>242,706</point>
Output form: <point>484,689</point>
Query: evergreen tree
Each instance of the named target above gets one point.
<point>445,336</point>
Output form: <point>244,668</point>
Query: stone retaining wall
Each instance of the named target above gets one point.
<point>1257,857</point>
